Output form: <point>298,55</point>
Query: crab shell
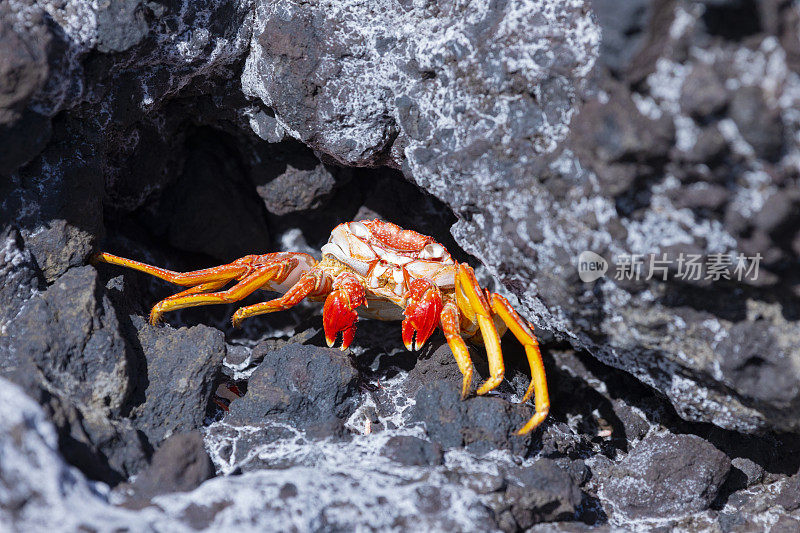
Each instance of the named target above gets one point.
<point>388,258</point>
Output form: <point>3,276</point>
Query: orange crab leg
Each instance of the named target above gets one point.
<point>526,337</point>
<point>311,283</point>
<point>422,314</point>
<point>246,286</point>
<point>465,279</point>
<point>449,321</point>
<point>338,313</point>
<point>219,273</point>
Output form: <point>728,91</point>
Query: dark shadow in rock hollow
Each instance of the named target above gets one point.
<point>733,20</point>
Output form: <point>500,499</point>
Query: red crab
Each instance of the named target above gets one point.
<point>379,270</point>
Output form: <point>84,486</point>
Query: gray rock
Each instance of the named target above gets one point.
<point>38,490</point>
<point>789,495</point>
<point>41,492</point>
<point>413,451</point>
<point>760,125</point>
<point>291,178</point>
<point>542,492</point>
<point>702,93</point>
<point>120,25</point>
<point>752,471</point>
<point>20,278</point>
<point>666,475</point>
<point>64,347</point>
<point>312,388</point>
<point>179,379</point>
<point>56,202</point>
<point>755,364</point>
<point>518,182</point>
<point>23,72</point>
<point>180,464</point>
<point>479,423</point>
<point>779,214</point>
<point>70,333</point>
<point>367,97</point>
<point>624,25</point>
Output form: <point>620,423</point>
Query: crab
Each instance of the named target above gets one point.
<point>372,269</point>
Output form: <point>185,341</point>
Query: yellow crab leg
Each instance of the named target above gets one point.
<point>203,287</point>
<point>526,337</point>
<point>465,279</point>
<point>449,321</point>
<point>246,286</point>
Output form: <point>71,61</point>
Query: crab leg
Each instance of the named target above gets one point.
<point>246,286</point>
<point>525,336</point>
<point>219,273</point>
<point>203,287</point>
<point>339,313</point>
<point>252,272</point>
<point>311,282</point>
<point>450,325</point>
<point>477,304</point>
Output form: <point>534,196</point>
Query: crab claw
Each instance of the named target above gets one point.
<point>422,313</point>
<point>339,314</point>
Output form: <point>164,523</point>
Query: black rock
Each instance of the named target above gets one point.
<point>413,451</point>
<point>666,475</point>
<point>479,423</point>
<point>179,379</point>
<point>180,464</point>
<point>65,349</point>
<point>312,388</point>
<point>71,334</point>
<point>104,449</point>
<point>543,492</point>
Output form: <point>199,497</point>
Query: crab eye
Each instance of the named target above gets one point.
<point>432,251</point>
<point>359,230</point>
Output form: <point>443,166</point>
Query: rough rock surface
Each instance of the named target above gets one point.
<point>531,195</point>
<point>667,475</point>
<point>81,352</point>
<point>187,133</point>
<point>539,493</point>
<point>480,424</point>
<point>180,464</point>
<point>311,388</point>
<point>413,451</point>
<point>182,369</point>
<point>417,84</point>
